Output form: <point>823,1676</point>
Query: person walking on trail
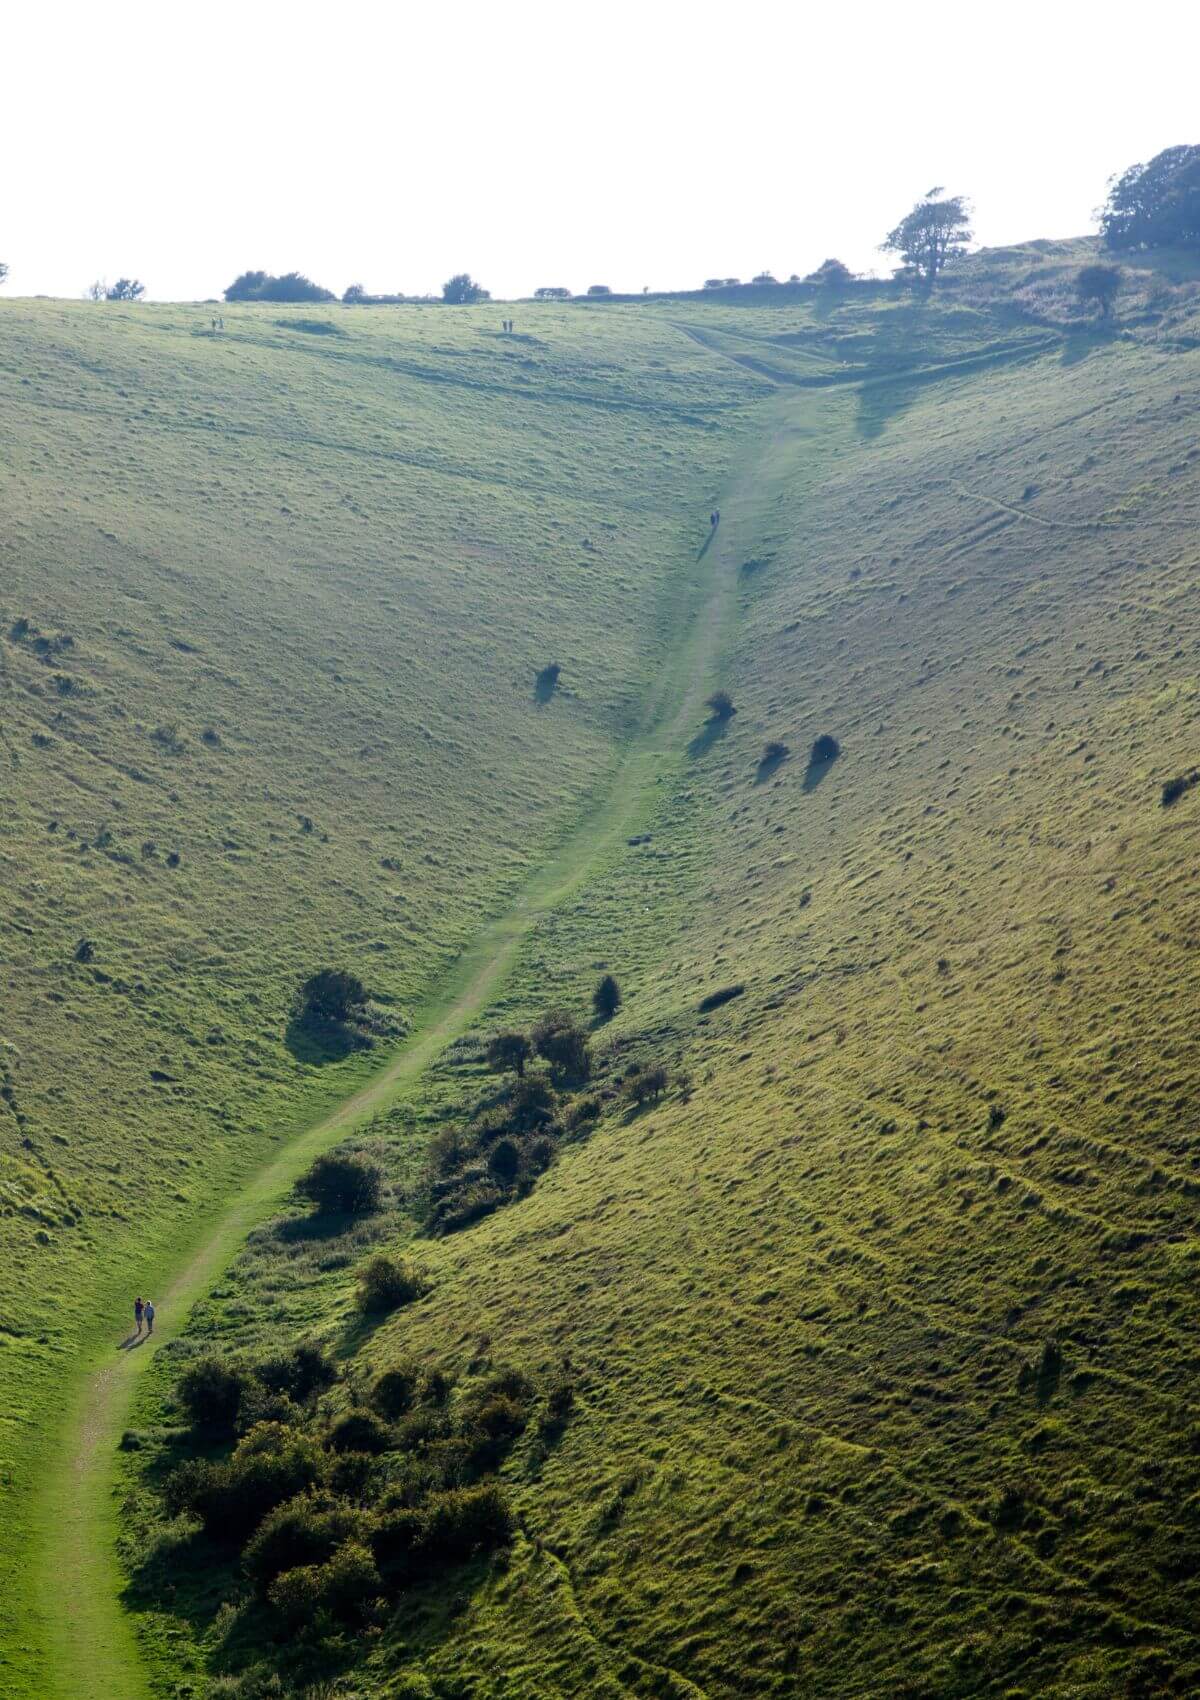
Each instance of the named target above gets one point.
<point>139,1311</point>
<point>149,1316</point>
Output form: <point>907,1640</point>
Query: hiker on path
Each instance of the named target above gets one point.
<point>149,1316</point>
<point>139,1310</point>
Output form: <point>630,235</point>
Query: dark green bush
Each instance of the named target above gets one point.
<point>508,1053</point>
<point>360,1431</point>
<point>210,1391</point>
<point>606,999</point>
<point>270,1465</point>
<point>824,750</point>
<point>504,1161</point>
<point>395,1391</point>
<point>530,1104</point>
<point>720,705</point>
<point>305,1530</point>
<point>332,994</point>
<point>344,1587</point>
<point>386,1283</point>
<point>464,1521</point>
<point>564,1043</point>
<point>343,1185</point>
<point>303,1371</point>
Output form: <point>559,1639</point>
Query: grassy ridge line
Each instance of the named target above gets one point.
<point>90,1640</point>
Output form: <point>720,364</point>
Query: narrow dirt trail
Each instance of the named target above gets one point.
<point>90,1638</point>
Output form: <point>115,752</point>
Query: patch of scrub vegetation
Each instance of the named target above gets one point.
<point>295,1510</point>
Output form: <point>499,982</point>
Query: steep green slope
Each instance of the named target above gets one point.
<point>273,603</point>
<point>880,1322</point>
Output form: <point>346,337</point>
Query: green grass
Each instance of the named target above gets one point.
<point>947,1123</point>
<point>344,560</point>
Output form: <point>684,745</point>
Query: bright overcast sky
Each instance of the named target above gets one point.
<point>659,142</point>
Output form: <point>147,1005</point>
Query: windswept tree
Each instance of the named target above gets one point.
<point>934,233</point>
<point>1099,286</point>
<point>461,290</point>
<point>1157,204</point>
<point>125,289</point>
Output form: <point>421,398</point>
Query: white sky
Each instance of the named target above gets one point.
<point>579,142</point>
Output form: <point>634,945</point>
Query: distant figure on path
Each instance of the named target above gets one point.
<point>139,1311</point>
<point>149,1316</point>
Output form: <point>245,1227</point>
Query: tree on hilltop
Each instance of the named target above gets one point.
<point>831,274</point>
<point>1156,204</point>
<point>1100,284</point>
<point>461,289</point>
<point>935,232</point>
<point>125,289</point>
<point>263,286</point>
<point>3,271</point>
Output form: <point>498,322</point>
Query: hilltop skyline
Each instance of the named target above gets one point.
<point>536,150</point>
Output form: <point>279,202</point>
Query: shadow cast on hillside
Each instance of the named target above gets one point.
<point>316,1043</point>
<point>815,772</point>
<point>769,766</point>
<point>1081,342</point>
<point>882,401</point>
<point>709,734</point>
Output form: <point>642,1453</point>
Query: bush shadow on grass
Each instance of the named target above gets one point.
<point>769,766</point>
<point>709,734</point>
<point>320,1225</point>
<point>815,772</point>
<point>316,1043</point>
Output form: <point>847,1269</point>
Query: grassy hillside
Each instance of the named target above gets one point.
<point>879,1324</point>
<point>273,603</point>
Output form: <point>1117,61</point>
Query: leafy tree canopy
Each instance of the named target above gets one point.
<point>3,271</point>
<point>1155,205</point>
<point>262,286</point>
<point>126,289</point>
<point>462,288</point>
<point>936,231</point>
<point>831,273</point>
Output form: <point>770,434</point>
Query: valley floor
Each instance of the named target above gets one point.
<point>881,1320</point>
